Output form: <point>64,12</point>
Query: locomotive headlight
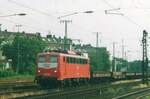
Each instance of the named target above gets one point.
<point>39,71</point>
<point>55,71</point>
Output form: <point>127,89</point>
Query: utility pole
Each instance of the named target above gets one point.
<point>18,27</point>
<point>97,38</point>
<point>144,58</point>
<point>0,27</point>
<point>18,47</point>
<point>18,61</point>
<point>126,60</point>
<point>122,49</point>
<point>97,45</point>
<point>122,53</point>
<point>114,60</point>
<point>66,32</point>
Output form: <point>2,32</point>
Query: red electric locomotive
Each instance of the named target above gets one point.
<point>54,68</point>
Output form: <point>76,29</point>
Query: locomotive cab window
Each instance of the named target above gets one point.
<point>85,61</point>
<point>41,61</point>
<point>53,61</point>
<point>71,60</point>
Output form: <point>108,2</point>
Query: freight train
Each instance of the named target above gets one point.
<point>69,68</point>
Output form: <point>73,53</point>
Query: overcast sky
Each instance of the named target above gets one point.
<point>42,17</point>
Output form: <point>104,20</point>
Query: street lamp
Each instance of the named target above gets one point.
<point>111,11</point>
<point>18,14</point>
<point>21,14</point>
<point>74,14</point>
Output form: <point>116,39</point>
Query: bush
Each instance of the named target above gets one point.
<point>7,73</point>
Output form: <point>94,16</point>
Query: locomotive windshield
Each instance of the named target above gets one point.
<point>41,61</point>
<point>53,61</point>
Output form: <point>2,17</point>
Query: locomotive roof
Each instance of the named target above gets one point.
<point>64,54</point>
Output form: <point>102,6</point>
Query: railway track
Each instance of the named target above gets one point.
<point>34,91</point>
<point>135,95</point>
<point>15,83</point>
<point>22,92</point>
<point>15,86</point>
<point>143,96</point>
<point>78,93</point>
<point>64,94</point>
<point>10,88</point>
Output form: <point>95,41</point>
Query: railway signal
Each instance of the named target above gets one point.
<point>144,58</point>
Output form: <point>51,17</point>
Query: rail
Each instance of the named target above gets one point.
<point>79,93</point>
<point>134,95</point>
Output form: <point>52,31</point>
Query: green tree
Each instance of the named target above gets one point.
<point>23,51</point>
<point>121,64</point>
<point>99,59</point>
<point>135,66</point>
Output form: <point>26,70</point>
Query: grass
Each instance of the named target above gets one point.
<point>18,77</point>
<point>146,97</point>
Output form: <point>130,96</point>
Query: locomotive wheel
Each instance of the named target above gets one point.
<point>41,81</point>
<point>69,83</point>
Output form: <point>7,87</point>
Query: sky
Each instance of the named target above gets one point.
<point>42,16</point>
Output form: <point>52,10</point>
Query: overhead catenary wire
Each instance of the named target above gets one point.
<point>32,27</point>
<point>28,17</point>
<point>47,14</point>
<point>28,7</point>
<point>39,28</point>
<point>29,26</point>
<point>125,16</point>
<point>33,9</point>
